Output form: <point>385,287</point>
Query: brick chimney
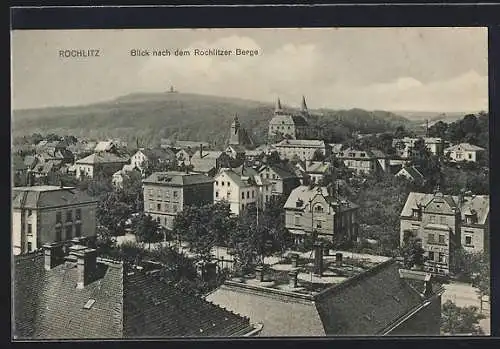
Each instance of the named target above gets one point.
<point>54,255</point>
<point>86,264</point>
<point>318,258</point>
<point>292,278</point>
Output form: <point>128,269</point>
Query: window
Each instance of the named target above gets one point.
<point>318,224</point>
<point>431,256</point>
<point>441,239</point>
<point>158,220</point>
<point>470,156</point>
<point>362,155</point>
<point>274,176</point>
<point>318,208</point>
<point>242,207</point>
<point>216,182</point>
<point>30,247</point>
<point>432,219</point>
<point>430,238</point>
<point>150,192</point>
<point>216,194</point>
<point>253,194</point>
<point>442,220</point>
<point>175,193</point>
<point>222,183</point>
<point>415,213</point>
<point>468,240</point>
<point>158,194</point>
<point>78,214</point>
<point>442,257</point>
<point>69,232</point>
<point>175,208</point>
<point>69,216</point>
<point>228,184</point>
<point>150,206</point>
<point>267,175</point>
<point>248,194</point>
<point>267,198</point>
<point>243,195</point>
<point>30,229</point>
<point>158,207</point>
<point>351,154</point>
<point>78,230</point>
<point>58,234</point>
<point>297,221</point>
<point>30,212</point>
<point>58,217</point>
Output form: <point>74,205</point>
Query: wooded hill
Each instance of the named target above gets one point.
<point>153,116</point>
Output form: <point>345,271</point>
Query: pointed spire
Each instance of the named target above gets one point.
<point>278,105</point>
<point>303,106</point>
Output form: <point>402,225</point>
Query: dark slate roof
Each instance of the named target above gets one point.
<point>282,172</point>
<point>367,304</point>
<point>153,308</point>
<point>178,178</point>
<point>46,196</point>
<point>49,306</point>
<point>103,158</point>
<point>158,154</point>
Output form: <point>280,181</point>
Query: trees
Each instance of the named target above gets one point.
<point>112,212</point>
<point>460,320</point>
<point>147,229</point>
<point>438,129</point>
<point>412,251</point>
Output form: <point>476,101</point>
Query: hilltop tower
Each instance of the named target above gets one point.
<point>234,137</point>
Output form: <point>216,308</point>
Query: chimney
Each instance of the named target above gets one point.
<point>292,278</point>
<point>54,255</point>
<point>86,264</point>
<point>201,151</point>
<point>428,285</point>
<point>338,259</point>
<point>318,258</point>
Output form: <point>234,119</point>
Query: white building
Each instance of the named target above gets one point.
<point>463,152</point>
<point>241,187</point>
<point>304,149</point>
<point>404,145</point>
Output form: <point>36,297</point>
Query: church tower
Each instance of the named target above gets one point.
<point>303,107</point>
<point>278,109</point>
<point>234,137</point>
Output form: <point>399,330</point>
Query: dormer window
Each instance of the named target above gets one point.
<point>299,203</point>
<point>416,213</point>
<point>318,208</point>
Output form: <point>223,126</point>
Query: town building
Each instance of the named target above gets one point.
<point>240,187</point>
<point>103,163</point>
<point>403,146</point>
<point>79,295</point>
<point>289,124</point>
<point>239,136</point>
<point>411,173</point>
<point>315,209</point>
<point>207,161</point>
<point>167,193</point>
<point>335,148</point>
<point>444,223</point>
<point>44,214</point>
<point>127,172</point>
<point>335,296</point>
<point>150,157</point>
<point>283,179</point>
<point>301,149</point>
<point>364,161</point>
<point>464,152</point>
<point>315,171</point>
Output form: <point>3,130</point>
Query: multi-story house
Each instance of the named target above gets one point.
<point>287,124</point>
<point>302,149</point>
<point>283,180</point>
<point>403,146</point>
<point>99,163</point>
<point>144,157</point>
<point>364,161</point>
<point>443,223</point>
<point>315,171</point>
<point>46,214</point>
<point>311,209</point>
<point>464,152</point>
<point>167,193</point>
<point>127,172</point>
<point>241,187</point>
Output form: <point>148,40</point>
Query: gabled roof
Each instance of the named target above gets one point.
<point>412,171</point>
<point>102,158</point>
<point>305,193</point>
<point>37,197</point>
<point>282,172</point>
<point>464,147</point>
<point>178,178</point>
<point>479,203</point>
<point>296,120</point>
<point>158,154</point>
<point>48,305</point>
<point>361,154</point>
<point>104,146</point>
<point>318,167</point>
<point>292,143</point>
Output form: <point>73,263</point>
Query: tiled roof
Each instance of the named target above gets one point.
<point>311,143</point>
<point>318,167</point>
<point>464,147</point>
<point>413,172</point>
<point>283,173</point>
<point>178,178</point>
<point>366,304</point>
<point>37,197</point>
<point>153,308</point>
<point>49,306</point>
<point>102,158</point>
<point>305,193</point>
<point>479,203</point>
<point>361,154</point>
<point>297,120</point>
<point>103,146</point>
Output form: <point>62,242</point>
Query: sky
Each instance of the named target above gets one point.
<point>410,69</point>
